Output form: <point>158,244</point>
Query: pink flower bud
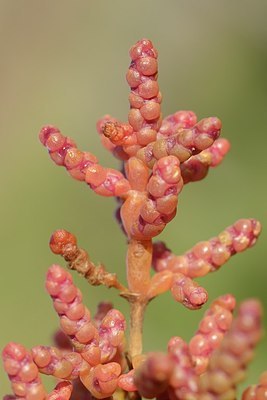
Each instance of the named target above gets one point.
<point>228,364</point>
<point>75,318</point>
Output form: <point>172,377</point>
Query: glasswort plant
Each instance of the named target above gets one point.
<point>91,357</point>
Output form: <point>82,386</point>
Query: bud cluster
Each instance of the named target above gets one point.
<point>92,357</point>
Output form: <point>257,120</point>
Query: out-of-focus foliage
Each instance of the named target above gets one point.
<point>64,63</point>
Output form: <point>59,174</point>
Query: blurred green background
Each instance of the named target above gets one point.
<point>64,62</point>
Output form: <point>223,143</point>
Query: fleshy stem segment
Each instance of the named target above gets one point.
<point>139,258</point>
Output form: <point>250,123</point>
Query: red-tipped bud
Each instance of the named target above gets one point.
<point>60,239</point>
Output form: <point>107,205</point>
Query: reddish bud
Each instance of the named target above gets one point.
<point>60,239</point>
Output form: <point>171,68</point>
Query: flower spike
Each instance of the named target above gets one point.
<point>184,381</point>
<point>216,322</point>
<point>228,364</point>
<point>23,373</point>
<point>210,255</point>
<point>75,319</point>
<point>145,97</point>
<point>82,166</point>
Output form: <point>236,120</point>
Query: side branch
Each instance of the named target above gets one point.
<point>65,244</point>
<point>83,166</point>
<point>210,255</point>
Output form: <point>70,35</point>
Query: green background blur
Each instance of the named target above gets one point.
<point>64,62</point>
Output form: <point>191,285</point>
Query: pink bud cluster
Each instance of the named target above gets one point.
<point>82,166</point>
<point>208,256</point>
<point>220,347</point>
<point>75,319</point>
<point>145,215</point>
<point>204,257</point>
<point>183,144</point>
<point>227,367</point>
<point>216,322</point>
<point>95,345</point>
<point>22,372</point>
<point>158,154</point>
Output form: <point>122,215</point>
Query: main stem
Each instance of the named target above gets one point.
<point>137,311</point>
<point>139,258</point>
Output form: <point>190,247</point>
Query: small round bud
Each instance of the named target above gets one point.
<point>60,239</point>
